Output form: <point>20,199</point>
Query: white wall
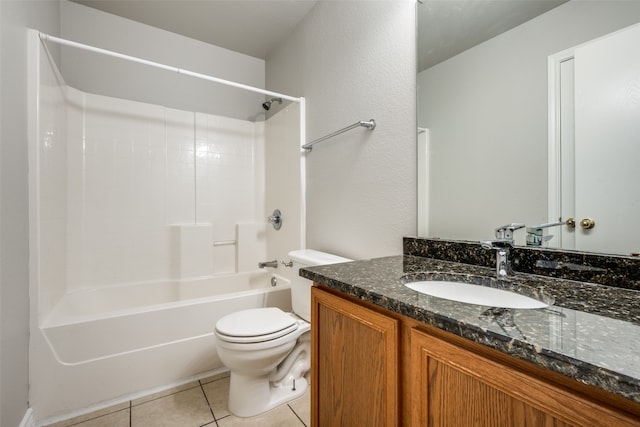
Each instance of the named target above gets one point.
<point>16,17</point>
<point>107,76</point>
<point>486,110</point>
<point>356,61</point>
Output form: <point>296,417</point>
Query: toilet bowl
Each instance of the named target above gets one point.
<point>268,350</point>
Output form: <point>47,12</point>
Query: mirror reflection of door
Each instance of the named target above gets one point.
<point>423,181</point>
<point>606,110</point>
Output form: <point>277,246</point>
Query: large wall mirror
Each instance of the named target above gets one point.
<point>529,112</point>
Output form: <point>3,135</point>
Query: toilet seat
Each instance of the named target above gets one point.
<point>255,325</point>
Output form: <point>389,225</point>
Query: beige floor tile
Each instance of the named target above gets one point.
<point>76,420</point>
<point>302,407</point>
<point>115,419</point>
<point>218,396</point>
<point>167,392</point>
<point>187,408</point>
<point>214,377</point>
<point>282,416</point>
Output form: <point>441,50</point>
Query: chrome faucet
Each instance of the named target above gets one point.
<point>502,245</point>
<point>272,264</point>
<point>503,250</point>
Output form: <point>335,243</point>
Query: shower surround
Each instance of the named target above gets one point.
<point>142,217</point>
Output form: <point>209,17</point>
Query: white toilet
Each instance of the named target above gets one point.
<point>268,350</point>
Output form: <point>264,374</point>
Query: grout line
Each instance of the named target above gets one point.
<point>96,417</point>
<point>222,418</point>
<point>215,419</point>
<point>108,410</point>
<point>214,378</point>
<point>164,395</point>
<point>212,423</point>
<point>296,414</point>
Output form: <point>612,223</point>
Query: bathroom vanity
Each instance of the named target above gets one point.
<point>384,354</point>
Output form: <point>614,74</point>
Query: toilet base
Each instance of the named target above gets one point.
<point>250,396</point>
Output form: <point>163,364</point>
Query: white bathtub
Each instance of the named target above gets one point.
<point>100,345</point>
<point>89,325</point>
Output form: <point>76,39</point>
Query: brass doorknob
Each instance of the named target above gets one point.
<point>587,223</point>
<point>571,223</point>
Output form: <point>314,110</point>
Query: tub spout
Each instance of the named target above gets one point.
<point>272,264</point>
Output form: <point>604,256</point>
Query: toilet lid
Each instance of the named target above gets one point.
<point>256,324</point>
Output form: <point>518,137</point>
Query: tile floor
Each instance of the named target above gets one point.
<point>198,403</point>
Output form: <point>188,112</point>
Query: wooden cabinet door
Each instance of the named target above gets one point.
<point>455,387</point>
<point>354,364</point>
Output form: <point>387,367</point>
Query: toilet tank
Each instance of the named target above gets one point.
<point>301,287</point>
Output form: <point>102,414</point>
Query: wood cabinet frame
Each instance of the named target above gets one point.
<point>501,395</point>
<point>357,381</point>
<point>407,352</point>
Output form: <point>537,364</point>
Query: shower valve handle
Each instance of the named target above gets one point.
<point>276,219</point>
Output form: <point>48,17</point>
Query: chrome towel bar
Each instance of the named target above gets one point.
<point>371,125</point>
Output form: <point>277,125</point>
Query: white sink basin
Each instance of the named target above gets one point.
<point>475,294</point>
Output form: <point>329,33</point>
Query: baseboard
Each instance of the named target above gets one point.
<point>125,398</point>
<point>28,420</point>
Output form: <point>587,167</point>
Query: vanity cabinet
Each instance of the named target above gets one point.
<point>374,367</point>
<point>354,364</point>
<point>456,387</point>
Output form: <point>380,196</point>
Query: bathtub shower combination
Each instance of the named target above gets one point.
<point>139,245</point>
<point>90,326</point>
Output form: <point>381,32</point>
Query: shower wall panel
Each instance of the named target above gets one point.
<point>116,193</point>
<point>51,184</point>
<point>136,169</point>
<point>180,177</point>
<point>229,168</point>
<point>284,180</point>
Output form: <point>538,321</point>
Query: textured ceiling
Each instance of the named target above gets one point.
<point>255,27</point>
<point>252,27</point>
<point>448,27</point>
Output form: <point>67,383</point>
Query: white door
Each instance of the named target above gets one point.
<point>423,182</point>
<point>607,143</point>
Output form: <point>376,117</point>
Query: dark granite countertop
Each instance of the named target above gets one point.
<point>590,333</point>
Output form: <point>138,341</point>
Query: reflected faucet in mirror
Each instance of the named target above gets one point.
<point>535,235</point>
<point>502,245</point>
